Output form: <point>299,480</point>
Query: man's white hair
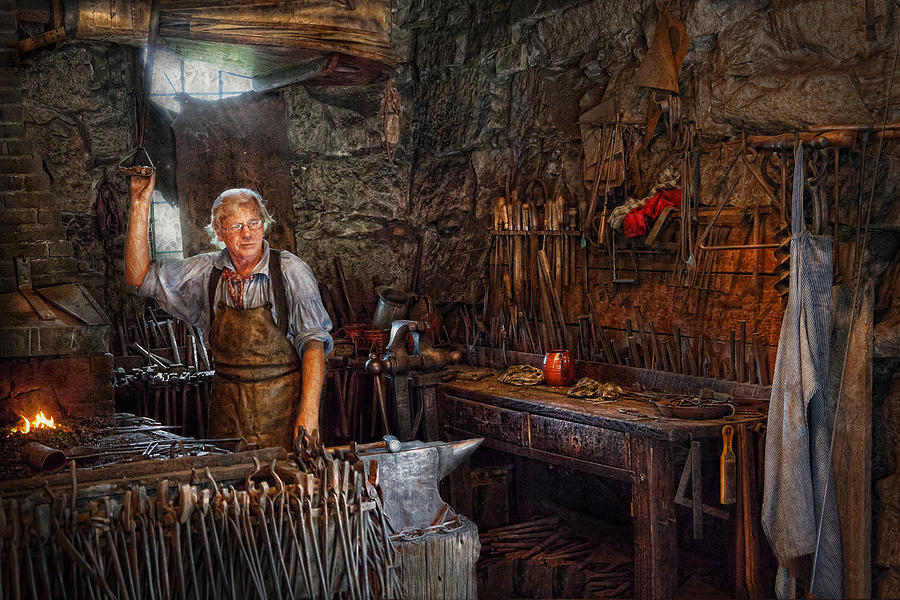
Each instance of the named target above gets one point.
<point>228,203</point>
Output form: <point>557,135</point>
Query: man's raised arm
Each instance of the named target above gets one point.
<point>137,247</point>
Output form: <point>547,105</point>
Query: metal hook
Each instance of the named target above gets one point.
<point>136,169</point>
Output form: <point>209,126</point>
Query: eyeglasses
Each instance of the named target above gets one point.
<point>238,227</point>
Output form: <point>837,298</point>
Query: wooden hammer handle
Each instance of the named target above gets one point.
<point>727,484</point>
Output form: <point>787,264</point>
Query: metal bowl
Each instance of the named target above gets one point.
<point>711,410</point>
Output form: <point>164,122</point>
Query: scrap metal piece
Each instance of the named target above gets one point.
<point>73,299</point>
<point>662,63</point>
<point>43,458</point>
<point>23,281</point>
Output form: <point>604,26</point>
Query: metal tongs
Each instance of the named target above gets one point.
<point>136,163</point>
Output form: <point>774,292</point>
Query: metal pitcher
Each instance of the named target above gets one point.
<point>392,305</point>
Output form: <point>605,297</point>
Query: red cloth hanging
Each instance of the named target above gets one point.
<point>635,222</point>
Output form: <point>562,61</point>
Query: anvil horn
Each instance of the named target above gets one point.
<point>454,453</point>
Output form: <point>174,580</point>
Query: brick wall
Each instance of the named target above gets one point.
<point>30,220</point>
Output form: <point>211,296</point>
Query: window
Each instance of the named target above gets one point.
<point>165,229</point>
<point>173,75</point>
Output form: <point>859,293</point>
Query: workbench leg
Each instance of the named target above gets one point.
<point>746,518</point>
<point>430,421</point>
<point>653,511</point>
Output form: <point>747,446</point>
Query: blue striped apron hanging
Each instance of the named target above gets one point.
<point>798,465</point>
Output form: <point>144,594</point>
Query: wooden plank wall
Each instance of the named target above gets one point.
<point>852,456</point>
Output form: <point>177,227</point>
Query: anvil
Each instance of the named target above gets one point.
<point>409,476</point>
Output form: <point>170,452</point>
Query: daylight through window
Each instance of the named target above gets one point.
<point>165,224</point>
<point>173,75</point>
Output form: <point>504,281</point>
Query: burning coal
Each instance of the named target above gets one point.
<point>40,421</point>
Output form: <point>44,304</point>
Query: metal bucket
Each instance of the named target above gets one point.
<point>392,305</point>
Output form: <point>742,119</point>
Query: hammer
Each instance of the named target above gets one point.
<point>172,341</point>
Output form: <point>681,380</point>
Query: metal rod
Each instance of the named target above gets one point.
<point>739,247</point>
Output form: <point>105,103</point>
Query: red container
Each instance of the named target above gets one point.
<point>354,331</point>
<point>558,368</point>
<point>375,340</point>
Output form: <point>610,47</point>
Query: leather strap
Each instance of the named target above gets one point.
<point>211,286</point>
<point>277,282</point>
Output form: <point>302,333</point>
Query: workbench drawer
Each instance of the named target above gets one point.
<point>489,421</point>
<point>577,440</point>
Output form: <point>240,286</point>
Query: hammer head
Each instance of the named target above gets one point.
<point>409,478</point>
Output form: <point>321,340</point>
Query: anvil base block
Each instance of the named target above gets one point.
<point>440,564</point>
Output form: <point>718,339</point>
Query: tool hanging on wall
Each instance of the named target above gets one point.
<point>817,167</point>
<point>727,468</point>
<point>616,278</point>
<point>604,216</point>
<point>688,261</point>
<point>659,70</point>
<point>660,66</point>
<point>390,113</point>
<point>608,168</point>
<point>532,205</point>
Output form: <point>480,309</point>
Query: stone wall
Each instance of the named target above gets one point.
<point>349,201</point>
<point>491,95</point>
<point>493,92</point>
<point>79,115</point>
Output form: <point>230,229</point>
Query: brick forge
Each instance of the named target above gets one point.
<point>60,365</point>
<point>69,387</point>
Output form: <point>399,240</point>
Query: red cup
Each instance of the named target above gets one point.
<point>558,368</point>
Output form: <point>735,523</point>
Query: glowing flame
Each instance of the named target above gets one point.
<point>40,420</point>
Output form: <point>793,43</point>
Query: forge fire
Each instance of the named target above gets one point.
<point>39,421</point>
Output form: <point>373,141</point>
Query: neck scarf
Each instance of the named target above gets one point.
<point>235,284</point>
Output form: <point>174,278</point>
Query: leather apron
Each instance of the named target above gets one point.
<point>256,386</point>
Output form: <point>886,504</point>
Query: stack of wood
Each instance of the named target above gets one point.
<point>602,569</point>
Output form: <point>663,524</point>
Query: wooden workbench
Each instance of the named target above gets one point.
<point>542,423</point>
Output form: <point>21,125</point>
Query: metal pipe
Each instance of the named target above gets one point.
<point>43,458</point>
<point>739,247</point>
<point>172,341</point>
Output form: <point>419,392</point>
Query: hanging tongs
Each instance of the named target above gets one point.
<point>137,163</point>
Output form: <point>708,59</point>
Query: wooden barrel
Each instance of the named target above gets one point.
<point>303,29</point>
<point>121,21</point>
